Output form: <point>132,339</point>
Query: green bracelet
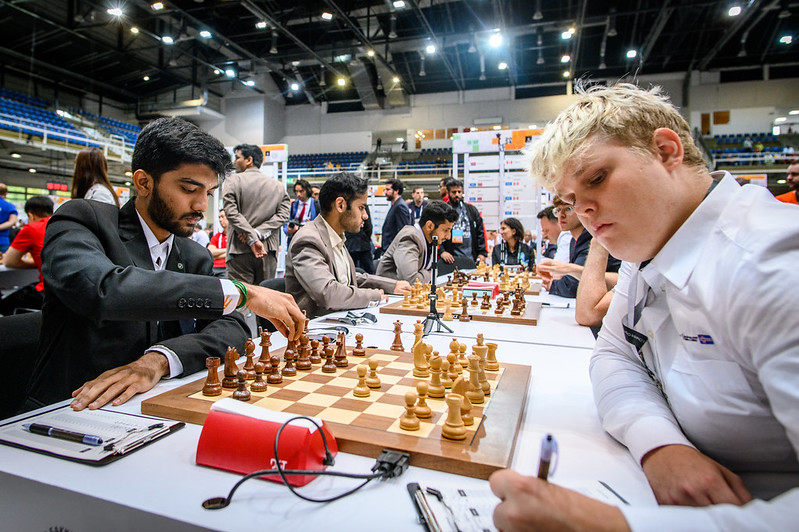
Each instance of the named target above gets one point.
<point>243,289</point>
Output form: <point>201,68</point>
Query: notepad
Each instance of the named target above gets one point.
<point>122,433</point>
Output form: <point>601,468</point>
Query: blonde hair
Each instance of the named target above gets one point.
<point>623,113</point>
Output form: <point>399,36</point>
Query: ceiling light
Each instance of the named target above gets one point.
<point>430,48</point>
<point>566,74</point>
<point>217,71</point>
<point>572,30</point>
<point>566,35</point>
<point>532,126</point>
<point>781,181</point>
<point>631,54</point>
<point>566,58</point>
<point>794,112</point>
<point>295,86</point>
<point>370,53</point>
<point>146,78</point>
<point>134,30</point>
<point>612,23</point>
<point>399,139</point>
<point>495,40</point>
<point>327,16</point>
<point>15,155</point>
<point>780,119</point>
<point>784,14</point>
<point>538,15</point>
<point>602,66</point>
<point>157,6</point>
<point>114,11</point>
<point>540,60</point>
<point>786,39</point>
<point>472,45</point>
<point>229,72</point>
<point>399,4</point>
<point>273,49</point>
<point>341,82</point>
<point>395,79</point>
<point>422,73</point>
<point>166,39</point>
<point>734,11</point>
<point>128,173</point>
<point>32,170</point>
<point>250,83</point>
<point>496,128</point>
<point>502,65</point>
<point>205,34</point>
<point>392,33</point>
<point>127,183</point>
<point>261,25</point>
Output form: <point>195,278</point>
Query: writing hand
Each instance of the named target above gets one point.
<point>529,503</point>
<point>121,383</point>
<point>447,257</point>
<point>681,475</point>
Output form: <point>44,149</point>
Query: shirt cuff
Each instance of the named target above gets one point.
<point>231,296</point>
<point>650,433</point>
<point>175,365</point>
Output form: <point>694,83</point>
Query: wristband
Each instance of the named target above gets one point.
<point>243,289</point>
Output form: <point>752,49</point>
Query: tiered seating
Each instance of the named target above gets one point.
<point>24,117</point>
<point>729,150</point>
<point>24,98</point>
<point>350,160</point>
<point>127,131</point>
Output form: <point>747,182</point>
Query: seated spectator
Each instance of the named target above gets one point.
<point>550,231</point>
<point>218,245</point>
<point>30,239</point>
<point>410,256</point>
<point>320,273</point>
<point>512,251</point>
<point>792,196</point>
<point>90,178</point>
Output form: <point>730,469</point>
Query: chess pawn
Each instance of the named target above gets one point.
<point>455,368</point>
<point>491,357</point>
<point>436,388</point>
<point>449,280</point>
<point>459,387</point>
<point>406,303</point>
<point>448,312</point>
<point>408,420</point>
<point>446,381</point>
<point>249,364</point>
<point>212,385</point>
<point>475,391</point>
<point>454,428</point>
<point>397,344</point>
<point>327,351</point>
<point>373,381</point>
<point>259,384</point>
<point>315,358</point>
<point>423,410</point>
<point>229,381</point>
<point>358,350</point>
<point>274,376</point>
<point>304,360</point>
<point>242,393</point>
<point>288,369</point>
<point>265,345</point>
<point>462,360</point>
<point>474,299</point>
<point>361,389</point>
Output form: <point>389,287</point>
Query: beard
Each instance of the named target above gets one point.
<point>166,218</point>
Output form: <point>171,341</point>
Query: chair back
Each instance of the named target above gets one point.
<point>19,352</point>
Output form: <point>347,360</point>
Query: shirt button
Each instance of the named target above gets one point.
<point>663,287</point>
<point>650,333</point>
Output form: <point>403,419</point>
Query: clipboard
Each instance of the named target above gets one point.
<point>122,433</point>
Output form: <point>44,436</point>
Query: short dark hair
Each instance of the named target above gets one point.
<point>417,188</point>
<point>166,143</point>
<point>438,212</point>
<point>515,226</point>
<point>40,206</point>
<point>305,185</point>
<point>548,213</point>
<point>396,184</point>
<point>341,185</point>
<point>251,150</point>
<point>452,182</point>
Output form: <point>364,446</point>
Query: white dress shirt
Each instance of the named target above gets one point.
<point>564,245</point>
<point>724,343</point>
<point>342,266</point>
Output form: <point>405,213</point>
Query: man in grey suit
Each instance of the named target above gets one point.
<point>256,207</point>
<point>320,273</point>
<point>410,256</point>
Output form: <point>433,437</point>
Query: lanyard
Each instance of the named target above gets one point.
<point>636,339</point>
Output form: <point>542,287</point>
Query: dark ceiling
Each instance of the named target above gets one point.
<point>79,44</point>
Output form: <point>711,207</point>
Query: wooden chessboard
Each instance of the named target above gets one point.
<point>530,316</point>
<point>366,426</point>
<point>533,290</point>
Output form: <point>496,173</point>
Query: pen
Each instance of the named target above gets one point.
<point>61,434</point>
<point>568,305</point>
<point>549,447</point>
<point>423,508</point>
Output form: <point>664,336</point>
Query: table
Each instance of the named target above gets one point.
<point>160,487</point>
<point>11,278</point>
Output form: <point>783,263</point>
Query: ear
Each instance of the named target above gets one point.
<point>340,204</point>
<point>143,182</point>
<point>429,226</point>
<point>669,147</point>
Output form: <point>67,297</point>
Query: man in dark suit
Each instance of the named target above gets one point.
<point>399,215</point>
<point>468,233</point>
<point>128,295</point>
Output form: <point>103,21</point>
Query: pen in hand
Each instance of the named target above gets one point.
<point>61,434</point>
<point>549,447</point>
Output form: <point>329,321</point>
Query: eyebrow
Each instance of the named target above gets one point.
<point>190,181</point>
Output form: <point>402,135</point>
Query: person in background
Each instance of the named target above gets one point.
<point>793,181</point>
<point>468,234</point>
<point>361,247</point>
<point>512,251</point>
<point>528,238</point>
<point>398,216</point>
<point>30,239</point>
<point>90,177</point>
<point>550,231</point>
<point>303,209</point>
<point>442,189</point>
<point>218,246</point>
<point>200,236</point>
<point>417,203</point>
<point>8,217</point>
<point>315,192</point>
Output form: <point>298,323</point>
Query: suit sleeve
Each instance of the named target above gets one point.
<point>408,261</point>
<point>230,203</point>
<point>280,217</point>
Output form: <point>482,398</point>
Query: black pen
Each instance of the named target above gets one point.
<point>568,305</point>
<point>549,447</point>
<point>61,434</point>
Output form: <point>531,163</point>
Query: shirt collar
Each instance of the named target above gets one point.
<point>336,239</point>
<point>157,248</point>
<point>677,259</point>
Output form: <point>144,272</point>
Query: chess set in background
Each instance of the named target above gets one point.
<point>470,433</point>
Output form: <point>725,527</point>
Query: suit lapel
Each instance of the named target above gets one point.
<point>132,236</point>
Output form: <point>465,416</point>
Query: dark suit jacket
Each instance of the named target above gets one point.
<point>405,259</point>
<point>566,286</point>
<point>399,215</point>
<point>477,231</point>
<point>105,306</point>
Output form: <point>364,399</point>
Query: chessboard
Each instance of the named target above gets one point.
<point>367,425</point>
<point>530,315</point>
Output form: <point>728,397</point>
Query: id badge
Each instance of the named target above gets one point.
<point>457,236</point>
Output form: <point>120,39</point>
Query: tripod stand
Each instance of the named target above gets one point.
<point>433,317</point>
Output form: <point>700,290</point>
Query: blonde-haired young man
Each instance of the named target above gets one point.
<point>694,369</point>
